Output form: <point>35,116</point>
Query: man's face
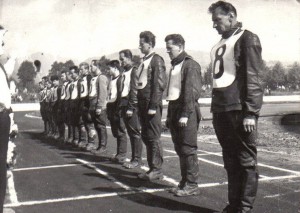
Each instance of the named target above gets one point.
<point>55,82</point>
<point>74,75</point>
<point>41,85</point>
<point>63,77</point>
<point>69,76</point>
<point>2,33</point>
<point>124,60</point>
<point>49,84</point>
<point>84,71</point>
<point>221,21</point>
<point>93,67</point>
<point>172,49</point>
<point>144,47</point>
<point>112,71</point>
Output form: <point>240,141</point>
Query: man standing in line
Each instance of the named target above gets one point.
<point>42,97</point>
<point>97,105</point>
<point>236,102</point>
<point>56,94</point>
<point>184,116</point>
<point>68,112</point>
<point>84,107</point>
<point>62,107</point>
<point>75,105</point>
<point>127,88</point>
<point>151,84</point>
<point>114,113</point>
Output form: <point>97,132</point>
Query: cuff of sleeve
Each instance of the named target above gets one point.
<point>185,114</point>
<point>250,115</point>
<point>152,106</point>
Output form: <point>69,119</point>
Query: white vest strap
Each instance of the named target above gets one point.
<point>174,86</point>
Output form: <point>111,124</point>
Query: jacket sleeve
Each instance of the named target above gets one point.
<point>254,90</point>
<point>101,92</point>
<point>158,81</point>
<point>191,86</point>
<point>132,102</point>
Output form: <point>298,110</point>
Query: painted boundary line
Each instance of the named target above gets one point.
<point>11,188</point>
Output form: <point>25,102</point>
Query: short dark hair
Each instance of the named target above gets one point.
<point>127,53</point>
<point>45,78</point>
<point>114,64</point>
<point>75,68</point>
<point>1,27</point>
<point>176,38</point>
<point>148,37</point>
<point>54,78</point>
<point>225,6</point>
<point>84,64</point>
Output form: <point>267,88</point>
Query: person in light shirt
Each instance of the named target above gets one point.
<point>5,109</point>
<point>183,117</point>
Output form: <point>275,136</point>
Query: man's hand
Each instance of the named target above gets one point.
<point>129,113</point>
<point>183,121</point>
<point>249,124</point>
<point>98,111</point>
<point>151,112</point>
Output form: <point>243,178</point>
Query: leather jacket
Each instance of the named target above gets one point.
<point>156,82</point>
<point>246,92</point>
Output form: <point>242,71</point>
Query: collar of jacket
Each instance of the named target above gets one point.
<point>229,33</point>
<point>180,58</point>
<point>148,56</point>
<point>127,67</point>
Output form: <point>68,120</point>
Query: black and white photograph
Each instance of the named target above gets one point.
<point>150,106</point>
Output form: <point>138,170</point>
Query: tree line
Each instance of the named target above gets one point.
<point>274,77</point>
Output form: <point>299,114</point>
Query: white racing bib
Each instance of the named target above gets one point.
<point>174,86</point>
<point>83,88</point>
<point>112,93</point>
<point>63,91</point>
<point>74,93</point>
<point>93,89</point>
<point>142,73</point>
<point>223,61</point>
<point>126,87</point>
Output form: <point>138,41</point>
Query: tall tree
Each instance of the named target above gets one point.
<point>293,76</point>
<point>27,74</point>
<point>278,74</point>
<point>207,77</point>
<point>57,67</point>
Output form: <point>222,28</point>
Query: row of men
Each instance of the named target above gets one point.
<point>134,95</point>
<point>131,99</point>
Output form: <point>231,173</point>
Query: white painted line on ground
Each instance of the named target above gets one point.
<point>11,188</point>
<point>211,162</point>
<point>166,178</point>
<point>31,130</point>
<point>32,116</point>
<point>279,195</point>
<point>280,177</point>
<point>263,176</point>
<point>278,168</point>
<point>48,167</point>
<point>211,153</point>
<point>105,174</point>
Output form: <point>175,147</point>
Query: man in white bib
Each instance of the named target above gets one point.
<point>128,104</point>
<point>236,101</point>
<point>114,113</point>
<point>98,93</point>
<point>150,86</point>
<point>183,117</point>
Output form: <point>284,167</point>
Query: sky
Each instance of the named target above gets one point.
<point>79,29</point>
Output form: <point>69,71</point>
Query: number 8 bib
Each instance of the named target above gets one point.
<point>223,61</point>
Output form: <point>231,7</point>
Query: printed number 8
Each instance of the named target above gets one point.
<point>218,58</point>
